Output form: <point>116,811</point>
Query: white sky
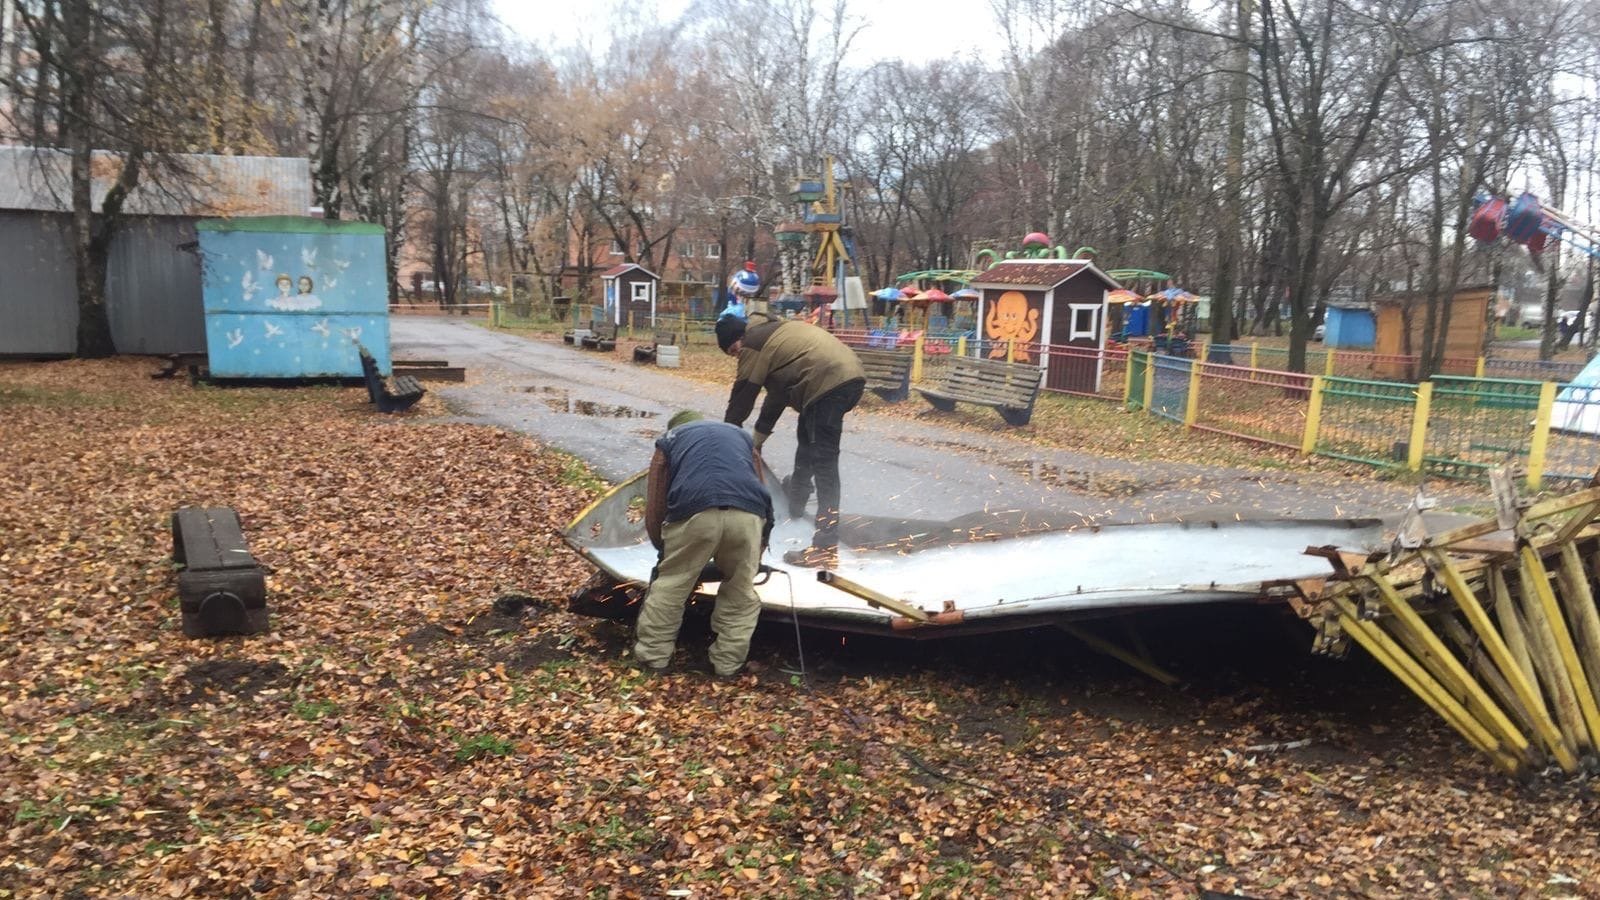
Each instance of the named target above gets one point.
<point>912,30</point>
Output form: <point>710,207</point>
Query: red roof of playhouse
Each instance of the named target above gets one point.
<point>1043,274</point>
<point>616,270</point>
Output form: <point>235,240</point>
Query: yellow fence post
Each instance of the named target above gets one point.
<point>630,324</point>
<point>1255,352</point>
<point>961,345</point>
<point>1419,426</point>
<point>1477,372</point>
<point>494,314</point>
<point>1127,377</point>
<point>1191,409</point>
<point>1328,356</point>
<point>683,326</point>
<point>1308,441</point>
<point>1541,434</point>
<point>916,360</point>
<point>1011,351</point>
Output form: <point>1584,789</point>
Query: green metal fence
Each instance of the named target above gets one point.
<point>1477,423</point>
<point>1138,365</point>
<point>1366,421</point>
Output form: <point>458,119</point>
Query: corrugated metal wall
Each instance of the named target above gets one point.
<point>38,292</point>
<point>152,287</point>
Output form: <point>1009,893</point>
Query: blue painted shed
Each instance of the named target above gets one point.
<point>292,296</point>
<point>1350,328</point>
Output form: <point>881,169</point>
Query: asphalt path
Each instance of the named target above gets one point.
<point>608,411</point>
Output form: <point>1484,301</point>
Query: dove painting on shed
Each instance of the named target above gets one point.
<point>293,297</point>
<point>153,278</point>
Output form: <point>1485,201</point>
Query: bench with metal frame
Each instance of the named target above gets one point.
<point>888,373</point>
<point>1008,388</point>
<point>394,395</point>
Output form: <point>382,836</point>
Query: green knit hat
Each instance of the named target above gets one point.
<point>683,417</point>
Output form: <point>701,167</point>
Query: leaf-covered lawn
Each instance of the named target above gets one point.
<point>394,735</point>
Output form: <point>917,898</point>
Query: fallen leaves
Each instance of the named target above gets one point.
<point>395,734</point>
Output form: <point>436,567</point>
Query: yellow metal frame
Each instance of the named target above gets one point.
<point>1515,671</point>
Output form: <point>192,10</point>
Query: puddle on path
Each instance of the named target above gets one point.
<point>560,401</point>
<point>1105,484</point>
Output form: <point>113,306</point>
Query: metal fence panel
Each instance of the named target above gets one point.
<point>1253,404</point>
<point>1366,421</point>
<point>1476,423</point>
<point>1171,396</point>
<point>1573,453</point>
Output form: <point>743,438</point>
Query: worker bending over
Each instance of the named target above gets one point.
<point>704,502</point>
<point>804,367</point>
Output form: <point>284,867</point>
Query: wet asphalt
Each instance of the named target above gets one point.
<point>608,411</point>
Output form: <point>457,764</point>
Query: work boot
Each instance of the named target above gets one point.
<point>813,557</point>
<point>797,505</point>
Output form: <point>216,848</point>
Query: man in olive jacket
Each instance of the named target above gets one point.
<point>806,368</point>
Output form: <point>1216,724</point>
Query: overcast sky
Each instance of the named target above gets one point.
<point>912,30</point>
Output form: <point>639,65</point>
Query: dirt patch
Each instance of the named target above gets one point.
<point>531,654</point>
<point>241,678</point>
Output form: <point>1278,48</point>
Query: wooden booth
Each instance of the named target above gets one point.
<point>1465,337</point>
<point>630,289</point>
<point>1061,302</point>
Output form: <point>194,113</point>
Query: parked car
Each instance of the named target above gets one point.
<point>1317,332</point>
<point>1532,315</point>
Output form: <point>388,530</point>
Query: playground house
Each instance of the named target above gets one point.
<point>1465,337</point>
<point>1062,302</point>
<point>630,289</point>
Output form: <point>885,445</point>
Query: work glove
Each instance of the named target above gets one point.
<point>761,438</point>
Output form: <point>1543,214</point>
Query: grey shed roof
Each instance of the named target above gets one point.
<point>37,178</point>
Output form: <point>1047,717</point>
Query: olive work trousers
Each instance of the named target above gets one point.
<point>731,538</point>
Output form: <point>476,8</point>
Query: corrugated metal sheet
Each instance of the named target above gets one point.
<point>153,288</point>
<point>35,178</point>
<point>38,293</point>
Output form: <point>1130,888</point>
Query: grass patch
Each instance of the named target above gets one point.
<point>481,745</point>
<point>577,474</point>
<point>312,710</point>
<point>57,398</point>
<point>1516,333</point>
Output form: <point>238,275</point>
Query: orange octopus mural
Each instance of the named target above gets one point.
<point>1010,319</point>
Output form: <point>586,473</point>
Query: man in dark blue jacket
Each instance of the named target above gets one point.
<point>705,502</point>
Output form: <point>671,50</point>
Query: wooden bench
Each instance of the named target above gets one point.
<point>221,589</point>
<point>647,352</point>
<point>401,396</point>
<point>1008,388</point>
<point>888,373</point>
<point>603,337</point>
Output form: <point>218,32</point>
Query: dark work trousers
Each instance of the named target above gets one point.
<point>817,458</point>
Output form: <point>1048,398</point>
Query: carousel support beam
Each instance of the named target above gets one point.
<point>1536,584</point>
<point>1101,645</point>
<point>1394,658</point>
<point>1585,620</point>
<point>1443,569</point>
<point>1431,652</point>
<point>1505,613</point>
